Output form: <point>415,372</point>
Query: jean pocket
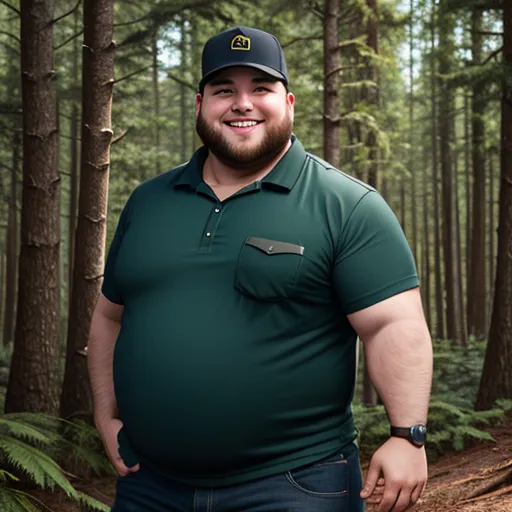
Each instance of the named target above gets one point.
<point>326,478</point>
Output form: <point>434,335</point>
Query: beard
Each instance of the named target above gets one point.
<point>240,156</point>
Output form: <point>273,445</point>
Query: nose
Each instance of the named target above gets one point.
<point>242,103</point>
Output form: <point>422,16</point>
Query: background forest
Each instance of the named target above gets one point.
<point>413,97</point>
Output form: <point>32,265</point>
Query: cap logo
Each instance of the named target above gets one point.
<point>240,42</point>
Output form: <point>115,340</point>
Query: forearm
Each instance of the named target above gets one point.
<point>100,354</point>
<point>399,359</point>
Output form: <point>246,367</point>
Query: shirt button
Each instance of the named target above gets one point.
<point>208,234</point>
<point>217,210</point>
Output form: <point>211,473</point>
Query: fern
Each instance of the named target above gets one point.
<point>43,470</point>
<point>30,443</point>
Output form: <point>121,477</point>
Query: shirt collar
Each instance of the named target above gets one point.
<point>284,175</point>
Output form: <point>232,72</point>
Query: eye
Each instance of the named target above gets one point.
<point>262,88</point>
<point>222,91</point>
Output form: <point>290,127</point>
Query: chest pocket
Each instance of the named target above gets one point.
<point>268,269</point>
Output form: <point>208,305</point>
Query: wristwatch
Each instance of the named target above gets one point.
<point>417,434</point>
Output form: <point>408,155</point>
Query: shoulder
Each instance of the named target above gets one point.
<point>157,184</point>
<point>334,183</point>
<point>328,175</point>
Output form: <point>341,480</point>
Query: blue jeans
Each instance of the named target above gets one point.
<point>331,485</point>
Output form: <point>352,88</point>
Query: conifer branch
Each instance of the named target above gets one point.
<point>68,13</point>
<point>10,7</point>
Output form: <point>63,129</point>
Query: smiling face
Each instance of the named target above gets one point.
<point>244,117</point>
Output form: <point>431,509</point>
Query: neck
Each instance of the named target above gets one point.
<point>219,173</point>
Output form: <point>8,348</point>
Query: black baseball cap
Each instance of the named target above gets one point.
<point>243,46</point>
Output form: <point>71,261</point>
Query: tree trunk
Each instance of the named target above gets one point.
<point>446,108</point>
<point>425,250</point>
<point>477,299</point>
<point>11,247</point>
<point>73,166</point>
<point>331,83</point>
<point>491,225</point>
<point>440,312</point>
<point>371,94</point>
<point>35,363</point>
<point>412,148</point>
<point>467,176</point>
<point>156,99</point>
<point>183,93</point>
<point>496,379</point>
<point>97,84</point>
<point>459,295</point>
<point>403,205</point>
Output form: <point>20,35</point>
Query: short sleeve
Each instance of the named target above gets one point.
<point>109,287</point>
<point>373,259</point>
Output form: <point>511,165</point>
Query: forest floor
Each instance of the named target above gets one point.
<point>477,479</point>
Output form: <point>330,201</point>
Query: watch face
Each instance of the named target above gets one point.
<point>418,434</point>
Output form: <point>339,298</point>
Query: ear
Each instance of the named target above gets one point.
<point>199,100</point>
<point>291,99</point>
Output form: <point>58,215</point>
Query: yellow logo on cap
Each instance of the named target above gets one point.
<point>240,42</point>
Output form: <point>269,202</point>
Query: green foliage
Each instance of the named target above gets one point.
<point>29,447</point>
<point>457,372</point>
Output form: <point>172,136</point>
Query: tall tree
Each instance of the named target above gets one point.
<point>496,379</point>
<point>97,85</point>
<point>34,367</point>
<point>477,299</point>
<point>446,133</point>
<point>439,328</point>
<point>73,163</point>
<point>331,83</point>
<point>371,92</point>
<point>12,233</point>
<point>370,95</point>
<point>11,245</point>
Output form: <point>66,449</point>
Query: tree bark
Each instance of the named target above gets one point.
<point>97,85</point>
<point>446,108</point>
<point>73,166</point>
<point>331,83</point>
<point>412,148</point>
<point>477,297</point>
<point>34,367</point>
<point>425,250</point>
<point>156,100</point>
<point>496,381</point>
<point>371,94</point>
<point>467,176</point>
<point>440,312</point>
<point>491,225</point>
<point>11,246</point>
<point>183,93</point>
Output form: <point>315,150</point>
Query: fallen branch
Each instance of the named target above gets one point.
<point>491,486</point>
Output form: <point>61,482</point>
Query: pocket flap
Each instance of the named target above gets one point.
<point>271,247</point>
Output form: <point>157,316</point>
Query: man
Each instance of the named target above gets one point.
<point>234,291</point>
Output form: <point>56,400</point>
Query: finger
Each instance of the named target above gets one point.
<point>389,498</point>
<point>376,495</point>
<point>416,493</point>
<point>135,468</point>
<point>371,480</point>
<point>381,481</point>
<point>404,500</point>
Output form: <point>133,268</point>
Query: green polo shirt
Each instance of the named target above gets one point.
<point>235,358</point>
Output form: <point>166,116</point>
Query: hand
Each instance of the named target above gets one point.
<point>108,431</point>
<point>404,467</point>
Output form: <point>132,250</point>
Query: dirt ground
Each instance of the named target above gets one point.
<point>453,480</point>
